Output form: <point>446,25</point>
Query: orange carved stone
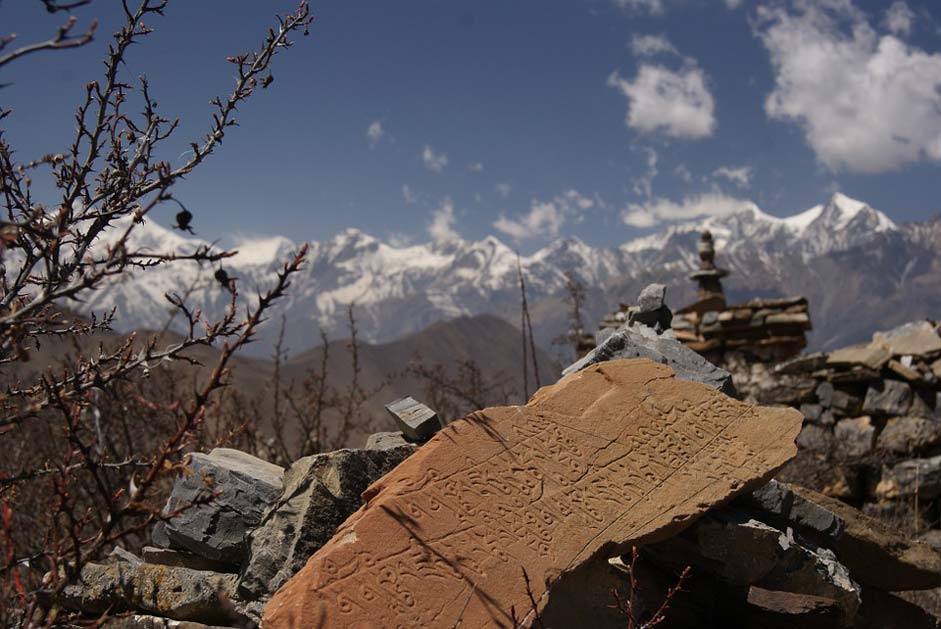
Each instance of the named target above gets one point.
<point>619,454</point>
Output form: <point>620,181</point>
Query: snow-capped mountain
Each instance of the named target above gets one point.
<point>398,290</point>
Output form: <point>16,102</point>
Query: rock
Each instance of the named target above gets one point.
<point>904,372</point>
<point>140,621</point>
<point>932,537</point>
<point>875,554</point>
<point>838,401</point>
<point>922,476</point>
<point>854,437</point>
<point>119,555</point>
<point>802,364</point>
<point>873,356</point>
<point>750,552</point>
<point>182,559</point>
<point>416,421</point>
<point>642,342</point>
<point>780,506</point>
<point>888,397</point>
<point>785,318</point>
<point>789,609</point>
<point>914,339</point>
<point>387,441</point>
<point>887,611</point>
<point>320,492</point>
<point>176,593</point>
<point>652,311</point>
<point>218,529</point>
<point>815,438</point>
<point>813,412</point>
<point>903,435</point>
<point>578,472</point>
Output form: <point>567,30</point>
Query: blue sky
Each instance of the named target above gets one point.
<point>528,119</point>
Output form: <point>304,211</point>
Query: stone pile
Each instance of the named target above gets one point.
<point>873,421</point>
<point>526,515</point>
<point>237,529</point>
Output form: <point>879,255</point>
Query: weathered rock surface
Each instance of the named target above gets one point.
<point>782,507</point>
<point>218,529</point>
<point>854,437</point>
<point>140,621</point>
<point>615,455</point>
<point>918,338</point>
<point>875,554</point>
<point>644,342</point>
<point>386,441</point>
<point>888,397</point>
<point>416,421</point>
<point>320,492</point>
<point>873,356</point>
<point>182,559</point>
<point>176,593</point>
<point>908,477</point>
<point>909,434</point>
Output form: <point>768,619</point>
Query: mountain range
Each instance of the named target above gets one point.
<point>860,271</point>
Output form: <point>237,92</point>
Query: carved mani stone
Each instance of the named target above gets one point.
<point>618,454</point>
<point>416,421</point>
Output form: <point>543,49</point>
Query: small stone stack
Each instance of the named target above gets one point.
<point>873,420</point>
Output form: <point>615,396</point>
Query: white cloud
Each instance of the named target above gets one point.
<point>408,194</point>
<point>899,18</point>
<point>476,167</point>
<point>503,189</point>
<point>866,103</point>
<point>733,4</point>
<point>740,176</point>
<point>643,185</point>
<point>546,218</point>
<point>664,210</point>
<point>654,7</point>
<point>650,45</point>
<point>374,132</point>
<point>677,103</point>
<point>441,229</point>
<point>434,162</point>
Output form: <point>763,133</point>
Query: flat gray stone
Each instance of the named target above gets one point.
<point>781,506</point>
<point>888,397</point>
<point>218,529</point>
<point>182,559</point>
<point>416,421</point>
<point>839,402</point>
<point>644,342</point>
<point>914,475</point>
<point>320,492</point>
<point>918,338</point>
<point>906,435</point>
<point>815,438</point>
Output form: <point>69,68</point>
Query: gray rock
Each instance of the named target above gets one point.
<point>750,552</point>
<point>176,593</point>
<point>781,506</point>
<point>838,401</point>
<point>643,342</point>
<point>908,477</point>
<point>119,555</point>
<point>386,441</point>
<point>320,492</point>
<point>652,311</point>
<point>904,435</point>
<point>918,338</point>
<point>854,437</point>
<point>416,421</point>
<point>815,438</point>
<point>182,559</point>
<point>802,364</point>
<point>218,528</point>
<point>888,397</point>
<point>813,412</point>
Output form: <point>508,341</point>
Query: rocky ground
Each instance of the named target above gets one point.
<point>527,516</point>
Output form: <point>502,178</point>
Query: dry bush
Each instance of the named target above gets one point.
<point>92,441</point>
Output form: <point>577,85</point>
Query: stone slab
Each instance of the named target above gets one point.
<point>918,338</point>
<point>644,342</point>
<point>616,455</point>
<point>416,421</point>
<point>873,355</point>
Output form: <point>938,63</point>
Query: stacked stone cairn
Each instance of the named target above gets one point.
<point>762,553</point>
<point>873,423</point>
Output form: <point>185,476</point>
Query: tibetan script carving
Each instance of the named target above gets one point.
<point>616,455</point>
